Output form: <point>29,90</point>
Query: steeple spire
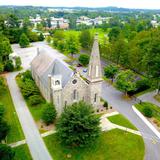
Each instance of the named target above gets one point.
<point>94,69</point>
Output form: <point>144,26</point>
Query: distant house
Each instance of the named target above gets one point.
<point>59,23</point>
<point>61,85</point>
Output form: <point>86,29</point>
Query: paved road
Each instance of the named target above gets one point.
<point>36,145</point>
<point>114,97</point>
<point>149,97</point>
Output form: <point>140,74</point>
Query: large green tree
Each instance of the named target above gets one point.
<point>72,44</point>
<point>77,125</point>
<point>125,81</point>
<point>86,39</point>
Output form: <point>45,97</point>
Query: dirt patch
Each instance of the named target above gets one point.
<point>43,127</point>
<point>155,123</point>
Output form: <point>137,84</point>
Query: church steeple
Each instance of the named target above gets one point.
<point>94,69</point>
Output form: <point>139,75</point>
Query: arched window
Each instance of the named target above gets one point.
<point>57,82</point>
<point>75,94</point>
<point>95,97</point>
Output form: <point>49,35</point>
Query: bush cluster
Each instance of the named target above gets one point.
<point>29,89</point>
<point>148,112</point>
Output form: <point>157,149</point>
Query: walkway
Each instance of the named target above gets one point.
<point>33,138</point>
<point>106,125</point>
<point>149,97</point>
<point>114,98</point>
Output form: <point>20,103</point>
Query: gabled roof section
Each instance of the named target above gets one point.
<point>61,68</point>
<point>45,64</point>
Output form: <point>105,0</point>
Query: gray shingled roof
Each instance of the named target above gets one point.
<point>46,64</point>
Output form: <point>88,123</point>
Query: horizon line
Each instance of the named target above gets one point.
<point>78,7</point>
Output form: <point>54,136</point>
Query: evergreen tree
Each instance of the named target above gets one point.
<point>24,41</point>
<point>78,125</point>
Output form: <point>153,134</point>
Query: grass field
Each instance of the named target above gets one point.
<point>22,153</point>
<point>122,121</point>
<point>155,109</point>
<point>112,145</point>
<point>15,133</point>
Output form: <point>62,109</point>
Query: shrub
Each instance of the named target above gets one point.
<point>1,67</point>
<point>49,114</point>
<point>18,62</point>
<point>27,75</point>
<point>2,111</point>
<point>4,129</point>
<point>6,152</point>
<point>78,126</point>
<point>35,99</point>
<point>105,104</point>
<point>84,59</point>
<point>41,37</point>
<point>9,66</point>
<point>147,112</point>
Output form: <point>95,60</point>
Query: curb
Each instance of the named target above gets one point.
<point>140,115</point>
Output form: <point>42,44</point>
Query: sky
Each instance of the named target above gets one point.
<point>148,4</point>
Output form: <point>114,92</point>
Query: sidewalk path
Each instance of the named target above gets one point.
<point>149,97</point>
<point>33,138</point>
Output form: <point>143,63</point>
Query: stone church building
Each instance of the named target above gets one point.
<point>60,85</point>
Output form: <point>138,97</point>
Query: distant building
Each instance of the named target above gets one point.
<point>88,21</point>
<point>155,24</point>
<point>59,23</point>
<point>62,86</point>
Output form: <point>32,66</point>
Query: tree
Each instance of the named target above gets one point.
<point>6,152</point>
<point>110,71</point>
<point>4,129</point>
<point>125,81</point>
<point>24,41</point>
<point>5,49</point>
<point>77,125</point>
<point>72,44</point>
<point>18,62</point>
<point>114,33</point>
<point>9,66</point>
<point>49,114</point>
<point>84,59</point>
<point>41,37</point>
<point>86,39</point>
<point>49,25</point>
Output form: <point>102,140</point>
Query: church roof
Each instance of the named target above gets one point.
<point>45,64</point>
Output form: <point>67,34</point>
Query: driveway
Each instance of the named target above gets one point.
<point>34,140</point>
<point>149,97</point>
<point>152,142</point>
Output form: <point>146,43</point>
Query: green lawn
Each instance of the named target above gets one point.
<point>22,153</point>
<point>122,121</point>
<point>155,109</point>
<point>113,145</point>
<point>15,133</point>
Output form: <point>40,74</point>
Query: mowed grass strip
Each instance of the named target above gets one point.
<point>113,145</point>
<point>122,121</point>
<point>22,153</point>
<point>15,133</point>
